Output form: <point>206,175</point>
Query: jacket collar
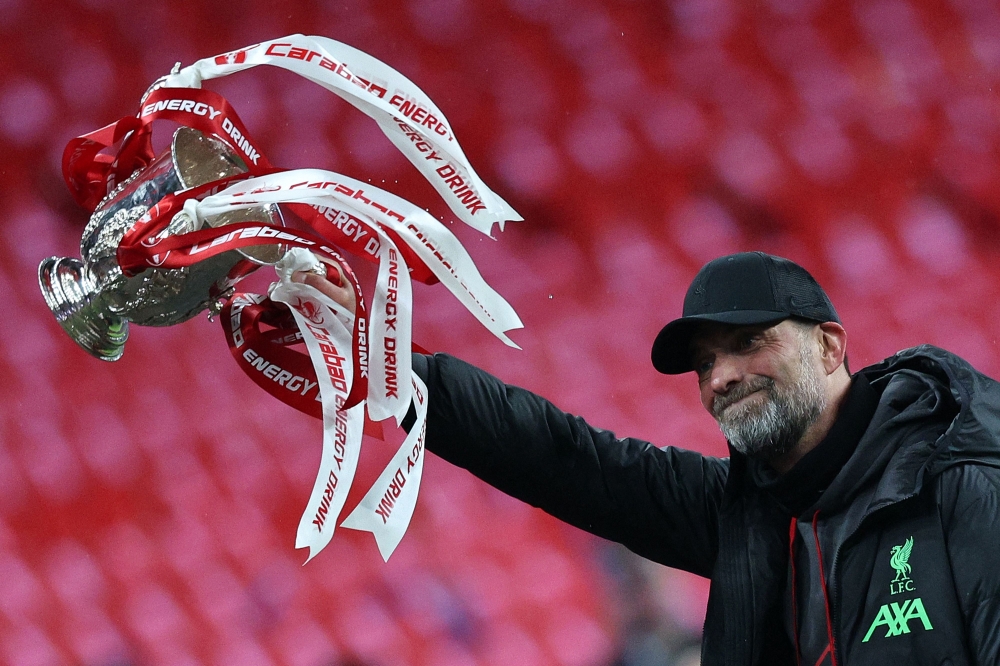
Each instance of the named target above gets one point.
<point>936,411</point>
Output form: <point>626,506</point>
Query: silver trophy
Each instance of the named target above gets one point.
<point>94,301</point>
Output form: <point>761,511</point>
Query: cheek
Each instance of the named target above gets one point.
<point>785,374</point>
<point>706,394</point>
<point>772,366</point>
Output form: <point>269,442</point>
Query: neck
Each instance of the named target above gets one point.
<point>815,433</point>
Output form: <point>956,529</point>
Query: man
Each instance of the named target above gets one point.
<point>856,520</point>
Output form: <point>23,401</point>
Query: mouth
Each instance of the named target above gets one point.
<point>740,400</point>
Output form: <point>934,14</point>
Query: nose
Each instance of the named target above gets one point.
<point>727,371</point>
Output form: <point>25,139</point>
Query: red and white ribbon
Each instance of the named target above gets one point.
<point>432,242</point>
<point>145,245</point>
<point>286,374</point>
<point>387,507</point>
<point>326,330</point>
<point>358,362</point>
<point>389,341</point>
<point>402,110</point>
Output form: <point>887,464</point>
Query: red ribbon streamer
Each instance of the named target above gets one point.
<point>90,174</point>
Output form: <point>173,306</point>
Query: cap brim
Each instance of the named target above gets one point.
<point>672,348</point>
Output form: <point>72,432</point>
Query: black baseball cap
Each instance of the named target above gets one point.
<point>741,289</point>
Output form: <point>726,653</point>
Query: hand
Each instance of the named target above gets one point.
<point>335,285</point>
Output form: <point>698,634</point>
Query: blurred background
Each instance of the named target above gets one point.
<point>148,507</point>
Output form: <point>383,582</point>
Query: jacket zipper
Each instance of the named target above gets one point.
<point>835,578</point>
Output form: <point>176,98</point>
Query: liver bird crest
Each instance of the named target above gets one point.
<point>900,560</point>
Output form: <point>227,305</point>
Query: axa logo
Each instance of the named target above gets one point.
<point>895,617</point>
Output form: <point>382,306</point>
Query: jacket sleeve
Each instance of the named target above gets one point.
<point>661,503</point>
<point>971,515</point>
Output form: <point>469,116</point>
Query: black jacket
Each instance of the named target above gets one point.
<point>908,533</point>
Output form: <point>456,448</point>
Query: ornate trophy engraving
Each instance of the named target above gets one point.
<point>94,301</point>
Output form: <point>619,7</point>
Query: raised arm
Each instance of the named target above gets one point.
<point>662,504</point>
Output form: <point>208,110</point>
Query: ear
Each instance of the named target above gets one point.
<point>833,345</point>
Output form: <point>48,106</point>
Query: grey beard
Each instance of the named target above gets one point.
<point>771,428</point>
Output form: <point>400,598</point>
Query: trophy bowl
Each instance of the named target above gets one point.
<point>94,301</point>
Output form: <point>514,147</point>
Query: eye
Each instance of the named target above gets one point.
<point>747,341</point>
<point>703,366</point>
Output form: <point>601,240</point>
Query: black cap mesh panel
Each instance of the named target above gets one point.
<point>797,292</point>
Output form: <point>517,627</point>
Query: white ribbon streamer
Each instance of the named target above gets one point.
<point>389,329</point>
<point>420,130</point>
<point>329,343</point>
<point>431,240</point>
<point>402,110</point>
<point>387,507</point>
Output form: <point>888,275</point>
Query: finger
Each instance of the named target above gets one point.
<point>319,282</point>
<point>342,295</point>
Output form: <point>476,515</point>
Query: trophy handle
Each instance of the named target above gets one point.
<point>79,308</point>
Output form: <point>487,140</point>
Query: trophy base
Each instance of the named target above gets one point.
<point>73,298</point>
